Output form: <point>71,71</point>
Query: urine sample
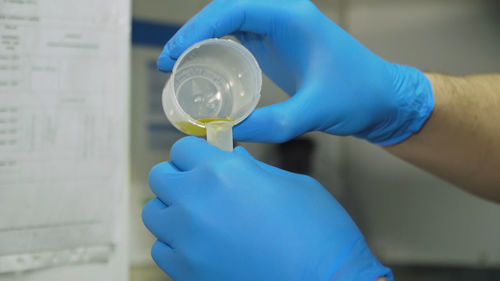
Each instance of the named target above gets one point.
<point>195,130</point>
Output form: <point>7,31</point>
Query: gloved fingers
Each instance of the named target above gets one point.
<point>166,60</point>
<point>189,152</point>
<point>166,182</point>
<point>165,63</point>
<point>153,215</point>
<point>169,260</point>
<point>270,60</point>
<point>217,19</point>
<point>279,122</point>
<point>167,224</point>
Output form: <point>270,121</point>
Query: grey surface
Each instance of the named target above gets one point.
<point>429,273</point>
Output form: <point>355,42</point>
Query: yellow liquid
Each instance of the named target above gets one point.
<point>193,130</point>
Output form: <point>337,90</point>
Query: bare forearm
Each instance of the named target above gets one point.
<point>461,140</point>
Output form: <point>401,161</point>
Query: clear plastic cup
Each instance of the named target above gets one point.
<point>215,80</point>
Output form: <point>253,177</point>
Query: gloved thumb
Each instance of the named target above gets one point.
<point>240,150</point>
<point>278,122</point>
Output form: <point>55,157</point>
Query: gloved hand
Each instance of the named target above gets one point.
<point>337,85</point>
<point>224,216</point>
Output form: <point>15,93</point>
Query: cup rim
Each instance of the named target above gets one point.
<point>227,43</point>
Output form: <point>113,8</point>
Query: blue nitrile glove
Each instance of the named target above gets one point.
<point>224,216</point>
<point>337,85</point>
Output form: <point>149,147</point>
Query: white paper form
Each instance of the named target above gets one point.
<point>63,129</point>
